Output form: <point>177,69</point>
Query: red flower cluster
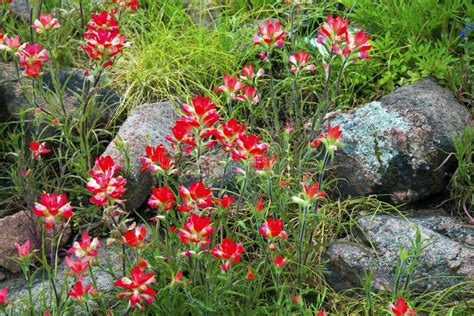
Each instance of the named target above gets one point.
<point>38,149</point>
<point>31,58</point>
<point>331,140</point>
<point>138,288</point>
<point>401,308</point>
<point>53,207</point>
<point>335,37</point>
<point>310,194</point>
<point>235,90</point>
<point>103,41</point>
<point>270,33</point>
<point>79,292</point>
<point>86,247</point>
<point>247,146</point>
<point>45,22</point>
<point>228,251</point>
<point>3,296</point>
<point>103,184</point>
<point>23,250</point>
<point>162,198</point>
<point>157,160</point>
<point>135,237</point>
<point>299,61</point>
<point>195,196</point>
<point>9,43</point>
<point>273,228</point>
<point>197,229</point>
<point>124,4</point>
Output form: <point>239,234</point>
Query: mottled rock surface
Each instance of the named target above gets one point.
<point>447,259</point>
<point>21,8</point>
<point>19,228</point>
<point>394,146</point>
<point>13,98</point>
<point>147,125</point>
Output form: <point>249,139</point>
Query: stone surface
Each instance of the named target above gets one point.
<point>13,99</point>
<point>394,146</point>
<point>19,228</point>
<point>21,8</point>
<point>147,125</point>
<point>447,259</point>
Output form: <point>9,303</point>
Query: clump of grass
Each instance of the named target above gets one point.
<point>172,56</point>
<point>462,182</point>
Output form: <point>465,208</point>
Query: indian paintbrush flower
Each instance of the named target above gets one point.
<point>137,288</point>
<point>53,207</point>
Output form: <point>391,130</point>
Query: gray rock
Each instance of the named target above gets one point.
<point>21,8</point>
<point>13,98</point>
<point>147,125</point>
<point>394,146</point>
<point>375,246</point>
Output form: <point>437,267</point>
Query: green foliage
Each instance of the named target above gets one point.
<point>462,182</point>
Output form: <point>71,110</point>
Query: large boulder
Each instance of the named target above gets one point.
<point>147,125</point>
<point>447,258</point>
<point>19,228</point>
<point>13,98</point>
<point>395,146</point>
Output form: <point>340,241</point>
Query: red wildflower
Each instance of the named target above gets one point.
<point>310,193</point>
<point>10,43</point>
<point>38,149</point>
<point>135,237</point>
<point>299,61</point>
<point>157,160</point>
<point>103,184</point>
<point>23,250</point>
<point>331,140</point>
<point>103,20</point>
<point>124,4</point>
<point>197,195</point>
<point>357,44</point>
<point>202,112</point>
<point>138,288</point>
<point>53,207</point>
<point>263,163</point>
<point>182,136</point>
<point>259,205</point>
<point>3,296</point>
<point>86,247</point>
<point>226,201</point>
<point>335,30</point>
<point>273,228</point>
<point>247,146</point>
<point>162,198</point>
<point>103,45</point>
<point>178,277</point>
<point>322,313</point>
<point>45,22</point>
<point>77,266</point>
<point>279,262</point>
<point>401,308</point>
<point>78,291</point>
<point>270,33</point>
<point>230,87</point>
<point>249,95</point>
<point>248,74</point>
<point>197,229</point>
<point>32,57</point>
<point>250,274</point>
<point>228,251</point>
